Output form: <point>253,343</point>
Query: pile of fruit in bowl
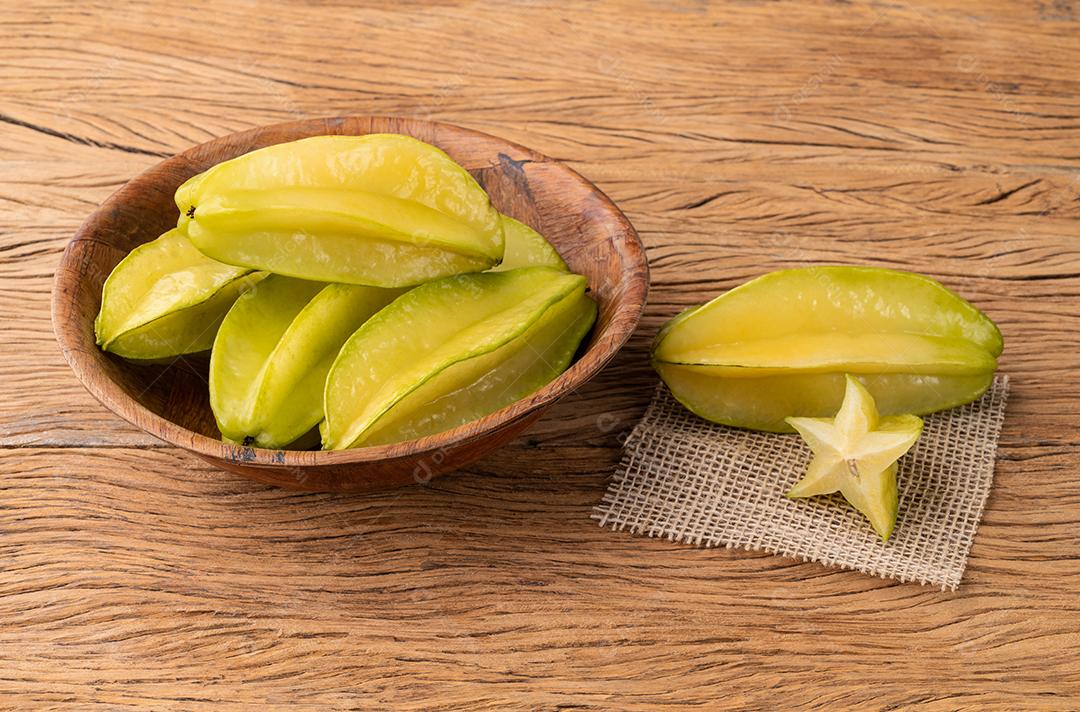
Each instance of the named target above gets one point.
<point>353,290</point>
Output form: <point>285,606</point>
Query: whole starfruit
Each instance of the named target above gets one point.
<point>780,345</point>
<point>166,299</point>
<point>451,351</point>
<point>383,210</point>
<point>273,350</point>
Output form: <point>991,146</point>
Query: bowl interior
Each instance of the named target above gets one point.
<point>171,401</point>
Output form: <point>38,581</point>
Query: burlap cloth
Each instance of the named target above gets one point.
<point>691,481</point>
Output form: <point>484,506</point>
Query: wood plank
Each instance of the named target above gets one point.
<point>490,586</point>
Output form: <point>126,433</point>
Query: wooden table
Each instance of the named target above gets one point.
<point>739,137</point>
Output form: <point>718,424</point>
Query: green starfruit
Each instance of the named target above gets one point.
<point>383,210</point>
<point>780,346</point>
<point>453,350</point>
<point>166,299</point>
<point>272,353</point>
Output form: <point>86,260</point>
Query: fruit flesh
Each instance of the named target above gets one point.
<point>856,453</point>
<point>781,344</point>
<point>272,354</point>
<point>165,298</point>
<point>382,209</point>
<point>427,331</point>
<point>526,247</point>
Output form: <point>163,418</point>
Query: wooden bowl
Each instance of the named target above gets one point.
<point>172,402</point>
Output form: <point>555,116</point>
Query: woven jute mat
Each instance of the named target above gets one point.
<point>691,481</point>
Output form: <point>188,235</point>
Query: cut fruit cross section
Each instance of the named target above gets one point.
<point>856,453</point>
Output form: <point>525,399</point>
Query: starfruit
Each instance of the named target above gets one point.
<point>780,345</point>
<point>382,210</point>
<point>166,299</point>
<point>856,454</point>
<point>273,350</point>
<point>526,247</point>
<point>451,351</point>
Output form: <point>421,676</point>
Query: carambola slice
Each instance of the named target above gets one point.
<point>856,453</point>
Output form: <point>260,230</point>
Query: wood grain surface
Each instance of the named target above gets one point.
<point>738,137</point>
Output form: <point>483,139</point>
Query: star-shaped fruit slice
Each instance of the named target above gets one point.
<point>855,453</point>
